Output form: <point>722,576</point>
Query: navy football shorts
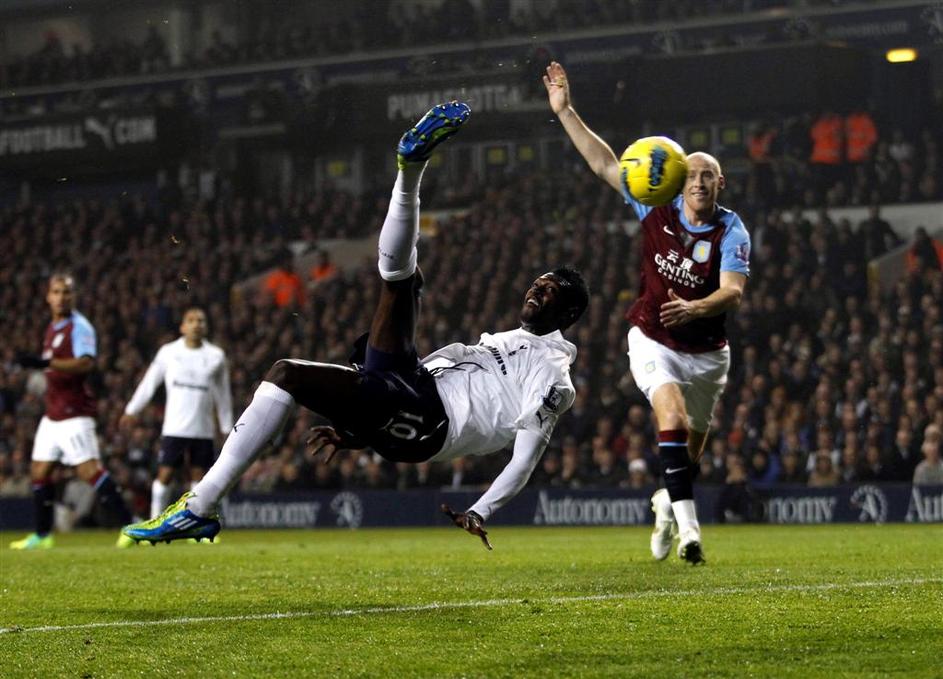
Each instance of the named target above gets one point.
<point>176,450</point>
<point>401,415</point>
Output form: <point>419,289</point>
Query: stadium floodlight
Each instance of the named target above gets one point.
<point>901,55</point>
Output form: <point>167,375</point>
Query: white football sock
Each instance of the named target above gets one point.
<point>160,497</point>
<point>663,501</point>
<point>686,515</point>
<point>255,429</point>
<point>400,232</point>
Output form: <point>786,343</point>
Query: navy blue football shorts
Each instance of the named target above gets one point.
<point>177,450</point>
<point>401,415</point>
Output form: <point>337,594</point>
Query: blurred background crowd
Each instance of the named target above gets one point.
<point>832,381</point>
<point>837,371</point>
<point>365,27</point>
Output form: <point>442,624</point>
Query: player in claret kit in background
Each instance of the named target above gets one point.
<point>695,263</point>
<point>460,400</point>
<point>66,433</point>
<point>196,377</point>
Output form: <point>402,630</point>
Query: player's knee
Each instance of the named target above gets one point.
<point>673,420</point>
<point>283,374</point>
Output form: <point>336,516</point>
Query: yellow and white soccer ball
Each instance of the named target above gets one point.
<point>654,170</point>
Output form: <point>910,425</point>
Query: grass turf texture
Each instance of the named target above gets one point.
<point>835,601</point>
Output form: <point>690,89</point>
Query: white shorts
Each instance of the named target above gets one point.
<point>702,377</point>
<point>71,441</point>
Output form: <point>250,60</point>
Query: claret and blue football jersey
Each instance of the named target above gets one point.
<point>688,259</point>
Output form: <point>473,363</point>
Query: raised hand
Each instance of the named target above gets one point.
<point>558,87</point>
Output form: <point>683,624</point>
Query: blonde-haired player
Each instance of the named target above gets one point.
<point>695,263</point>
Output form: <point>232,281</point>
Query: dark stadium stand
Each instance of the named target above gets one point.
<point>277,34</point>
<point>837,368</point>
<point>825,369</point>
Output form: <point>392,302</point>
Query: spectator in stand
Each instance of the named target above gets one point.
<point>824,445</point>
<point>828,140</point>
<point>760,151</point>
<point>764,468</point>
<point>904,457</point>
<point>735,503</point>
<point>925,254</point>
<point>710,467</point>
<point>283,285</point>
<point>851,462</point>
<point>548,472</point>
<point>899,148</point>
<point>877,233</point>
<point>792,468</point>
<point>823,473</point>
<point>324,269</point>
<point>605,473</point>
<point>861,135</point>
<point>874,467</point>
<point>571,475</point>
<point>930,471</point>
<point>639,477</point>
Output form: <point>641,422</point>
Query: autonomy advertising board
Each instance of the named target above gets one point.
<point>865,503</point>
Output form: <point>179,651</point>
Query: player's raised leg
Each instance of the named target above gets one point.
<point>392,333</point>
<point>329,390</point>
<point>668,403</point>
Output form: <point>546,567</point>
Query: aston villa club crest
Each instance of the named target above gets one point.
<point>701,252</point>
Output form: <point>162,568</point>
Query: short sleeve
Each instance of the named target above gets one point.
<point>83,338</point>
<point>735,248</point>
<point>640,209</point>
<point>547,395</point>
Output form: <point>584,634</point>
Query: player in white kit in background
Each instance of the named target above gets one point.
<point>461,400</point>
<point>195,374</point>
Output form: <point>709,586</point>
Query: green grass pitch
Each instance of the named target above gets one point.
<point>830,601</point>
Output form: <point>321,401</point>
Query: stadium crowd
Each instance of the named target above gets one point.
<point>277,34</point>
<point>832,381</point>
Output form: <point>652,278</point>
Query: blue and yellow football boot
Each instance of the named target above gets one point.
<point>175,523</point>
<point>440,123</point>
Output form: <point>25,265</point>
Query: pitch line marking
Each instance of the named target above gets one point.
<point>483,603</point>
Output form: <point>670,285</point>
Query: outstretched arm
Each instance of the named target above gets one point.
<point>602,160</point>
<point>148,385</point>
<point>528,447</point>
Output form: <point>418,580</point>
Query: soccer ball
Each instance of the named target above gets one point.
<point>654,170</point>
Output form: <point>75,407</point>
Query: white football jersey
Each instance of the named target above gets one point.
<point>197,381</point>
<point>508,382</point>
